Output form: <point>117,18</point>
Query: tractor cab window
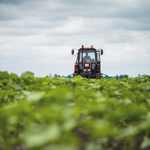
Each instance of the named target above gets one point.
<point>87,56</point>
<point>98,56</point>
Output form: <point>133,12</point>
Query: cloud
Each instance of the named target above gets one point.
<point>39,35</point>
<point>9,12</point>
<point>70,26</point>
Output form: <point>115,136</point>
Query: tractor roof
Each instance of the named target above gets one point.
<point>87,47</point>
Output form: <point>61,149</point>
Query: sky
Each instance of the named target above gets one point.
<point>38,35</point>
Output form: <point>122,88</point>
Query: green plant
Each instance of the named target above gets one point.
<point>71,114</point>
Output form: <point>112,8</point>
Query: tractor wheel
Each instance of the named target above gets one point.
<point>75,74</point>
<point>98,75</point>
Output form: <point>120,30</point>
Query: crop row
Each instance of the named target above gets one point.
<point>74,114</point>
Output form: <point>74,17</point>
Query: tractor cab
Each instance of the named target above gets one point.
<point>88,62</point>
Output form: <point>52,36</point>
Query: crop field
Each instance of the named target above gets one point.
<point>74,114</point>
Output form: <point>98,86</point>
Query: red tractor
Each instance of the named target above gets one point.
<point>88,63</point>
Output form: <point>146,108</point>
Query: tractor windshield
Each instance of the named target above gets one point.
<point>87,55</point>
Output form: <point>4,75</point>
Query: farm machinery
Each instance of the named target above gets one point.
<point>88,62</point>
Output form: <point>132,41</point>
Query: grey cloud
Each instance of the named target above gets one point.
<point>34,33</point>
<point>85,8</point>
<point>108,8</point>
<point>8,12</point>
<point>12,1</point>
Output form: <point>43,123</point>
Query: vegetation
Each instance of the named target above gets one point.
<point>123,76</point>
<point>74,114</point>
<point>55,75</point>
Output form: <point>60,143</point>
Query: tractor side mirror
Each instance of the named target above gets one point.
<point>72,52</point>
<point>101,51</point>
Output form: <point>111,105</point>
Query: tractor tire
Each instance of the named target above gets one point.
<point>75,74</point>
<point>98,75</point>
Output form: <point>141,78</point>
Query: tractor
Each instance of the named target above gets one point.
<point>88,62</point>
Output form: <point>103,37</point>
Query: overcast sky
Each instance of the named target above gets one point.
<point>38,35</point>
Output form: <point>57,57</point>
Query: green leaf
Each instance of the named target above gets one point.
<point>4,75</point>
<point>69,125</point>
<point>14,77</point>
<point>38,136</point>
<point>145,143</point>
<point>27,74</point>
<point>33,97</point>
